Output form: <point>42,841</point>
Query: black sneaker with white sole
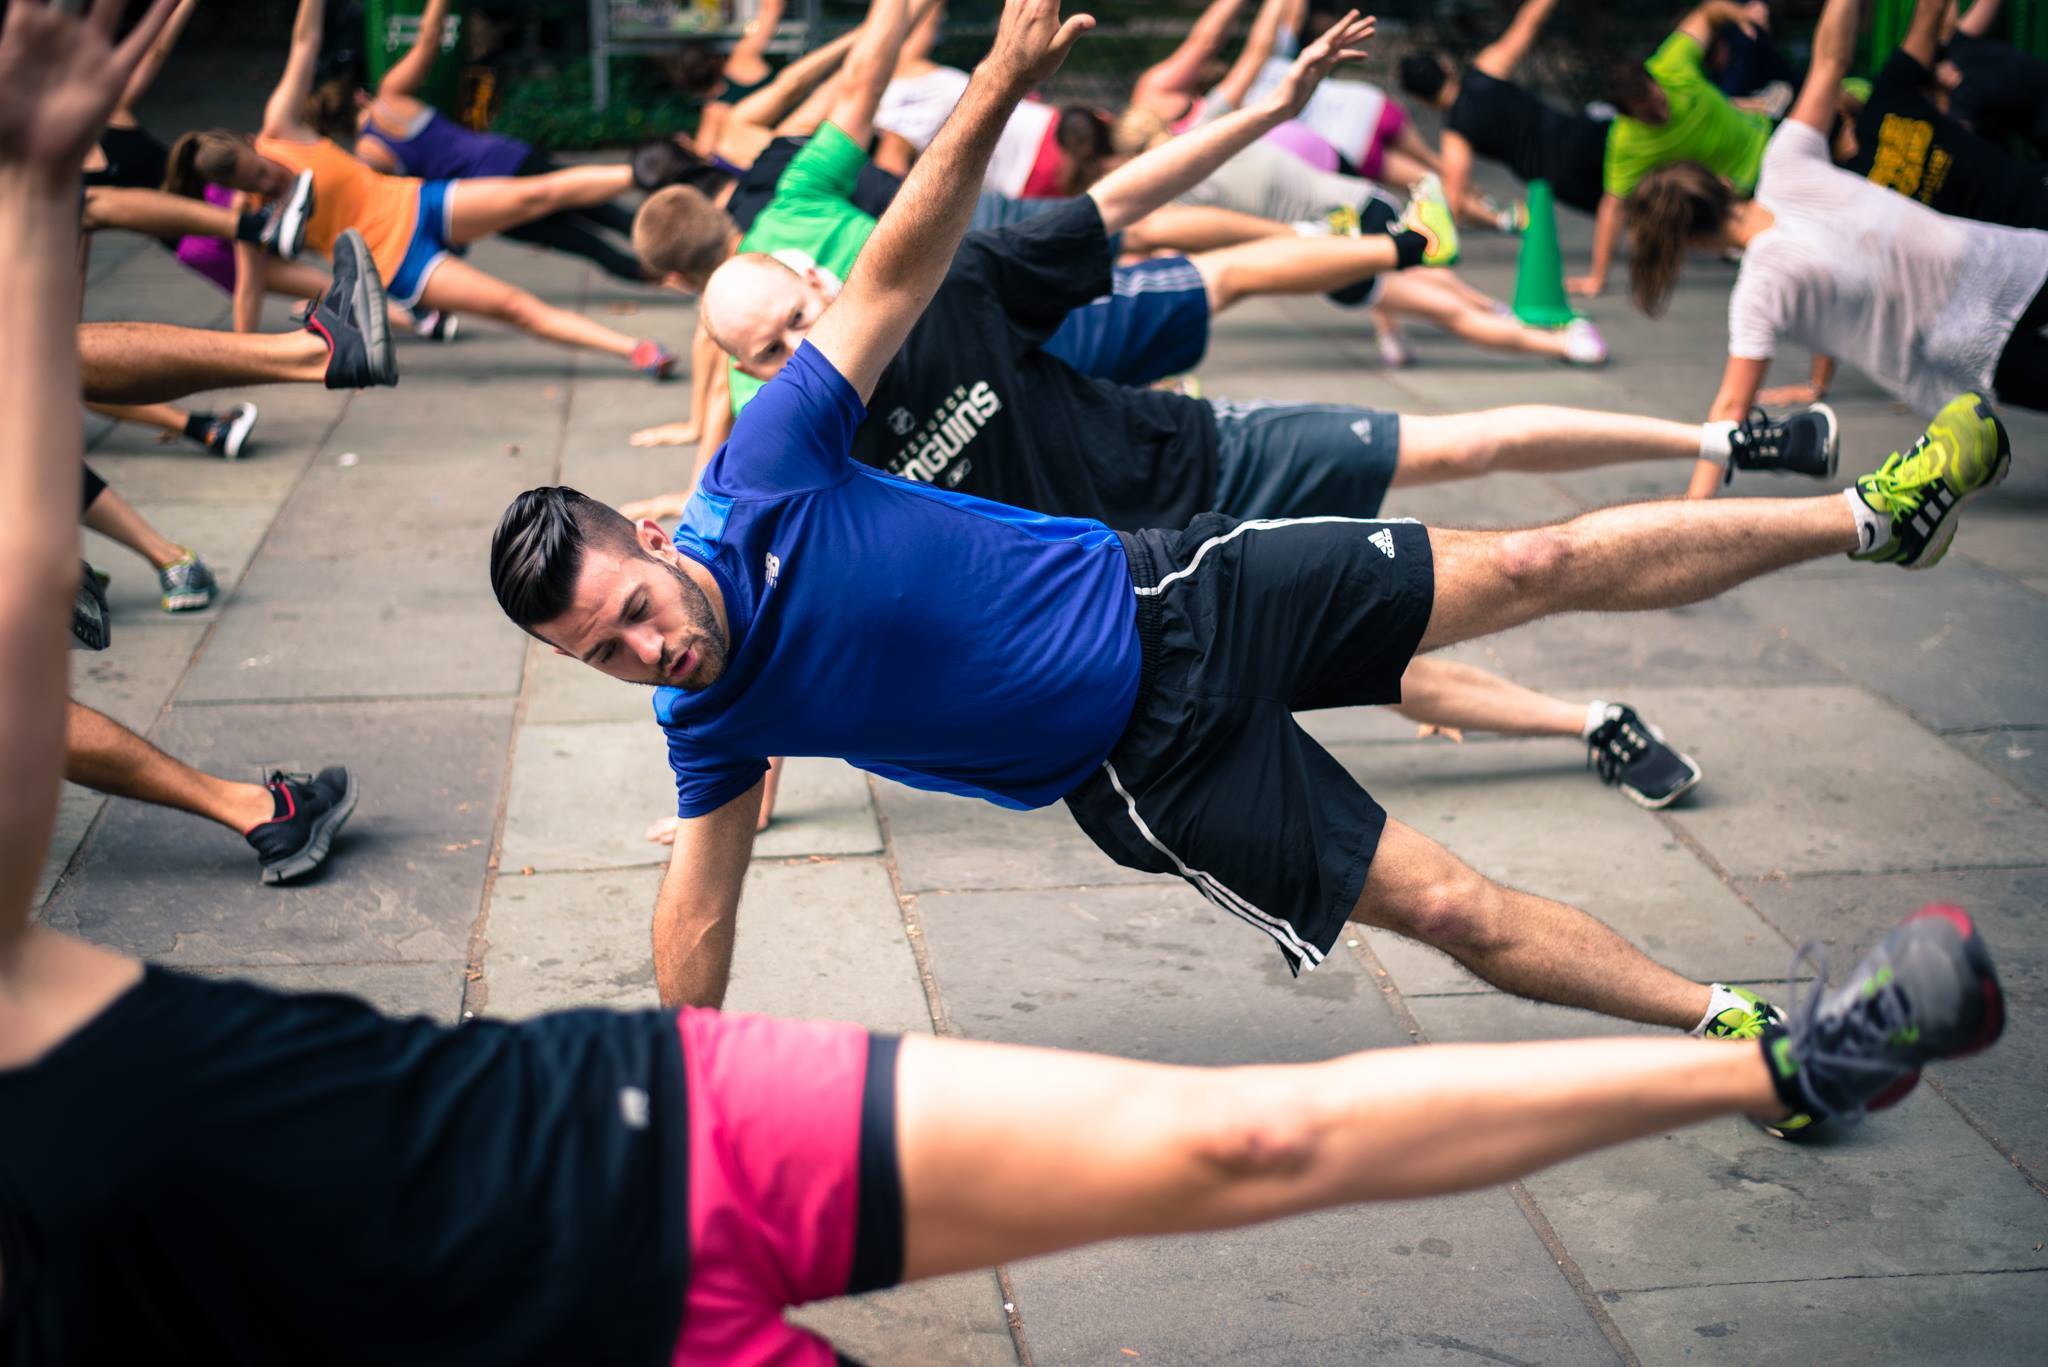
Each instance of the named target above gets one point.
<point>91,625</point>
<point>295,842</point>
<point>284,225</point>
<point>1633,755</point>
<point>1807,443</point>
<point>224,434</point>
<point>354,320</point>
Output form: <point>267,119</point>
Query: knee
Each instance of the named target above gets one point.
<point>1534,558</point>
<point>520,309</point>
<point>1459,910</point>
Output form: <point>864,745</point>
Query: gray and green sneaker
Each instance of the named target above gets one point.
<point>187,584</point>
<point>1963,452</point>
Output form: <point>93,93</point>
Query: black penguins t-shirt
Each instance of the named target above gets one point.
<point>1904,143</point>
<point>972,403</point>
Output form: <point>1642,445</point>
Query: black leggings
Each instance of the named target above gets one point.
<point>2022,375</point>
<point>94,487</point>
<point>582,232</point>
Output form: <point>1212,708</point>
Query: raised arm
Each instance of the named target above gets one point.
<point>1258,46</point>
<point>1701,23</point>
<point>410,72</point>
<point>153,61</point>
<point>1923,36</point>
<point>913,245</point>
<point>1978,21</point>
<point>869,65</point>
<point>1500,57</point>
<point>59,79</point>
<point>1181,72</point>
<point>283,115</point>
<point>748,54</point>
<point>1834,47</point>
<point>1177,165</point>
<point>769,106</point>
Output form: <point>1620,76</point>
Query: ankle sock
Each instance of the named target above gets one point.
<point>249,228</point>
<point>1872,526</point>
<point>1596,717</point>
<point>196,425</point>
<point>1723,998</point>
<point>1717,442</point>
<point>1409,245</point>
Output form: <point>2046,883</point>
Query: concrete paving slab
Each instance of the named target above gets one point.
<point>947,842</point>
<point>560,940</point>
<point>1954,647</point>
<point>145,474</point>
<point>955,1321</point>
<point>1847,914</point>
<point>225,535</point>
<point>821,807</point>
<point>2019,753</point>
<point>409,625</point>
<point>1496,501</point>
<point>76,808</point>
<point>1526,814</point>
<point>132,679</point>
<point>560,689</point>
<point>382,505</point>
<point>401,989</point>
<point>404,879</point>
<point>1810,784</point>
<point>582,795</point>
<point>1954,1319</point>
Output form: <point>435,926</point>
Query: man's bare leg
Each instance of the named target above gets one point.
<point>1625,559</point>
<point>1520,943</point>
<point>136,363</point>
<point>1535,439</point>
<point>1011,1152</point>
<point>1458,697</point>
<point>163,417</point>
<point>115,517</point>
<point>105,756</point>
<point>1292,265</point>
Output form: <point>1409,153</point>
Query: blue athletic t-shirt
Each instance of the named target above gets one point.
<point>928,636</point>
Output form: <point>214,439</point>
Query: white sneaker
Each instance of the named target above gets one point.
<point>1394,352</point>
<point>1583,344</point>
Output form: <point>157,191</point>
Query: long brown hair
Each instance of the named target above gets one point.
<point>1669,210</point>
<point>331,109</point>
<point>198,159</point>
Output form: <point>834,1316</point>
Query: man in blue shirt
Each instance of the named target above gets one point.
<point>810,605</point>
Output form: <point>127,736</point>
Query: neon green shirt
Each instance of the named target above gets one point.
<point>1703,127</point>
<point>812,212</point>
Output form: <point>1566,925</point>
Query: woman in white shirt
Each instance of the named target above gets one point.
<point>1926,305</point>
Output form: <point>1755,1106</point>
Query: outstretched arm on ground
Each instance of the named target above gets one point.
<point>59,79</point>
<point>1171,169</point>
<point>699,902</point>
<point>1181,72</point>
<point>913,246</point>
<point>410,72</point>
<point>283,114</point>
<point>1499,58</point>
<point>1834,48</point>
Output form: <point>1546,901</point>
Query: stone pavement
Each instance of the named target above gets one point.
<point>1871,740</point>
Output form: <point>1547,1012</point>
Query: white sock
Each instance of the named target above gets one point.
<point>1723,998</point>
<point>1717,442</point>
<point>1872,526</point>
<point>1596,714</point>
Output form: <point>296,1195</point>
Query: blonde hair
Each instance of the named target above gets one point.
<point>1138,130</point>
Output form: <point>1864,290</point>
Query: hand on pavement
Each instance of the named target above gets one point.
<point>668,434</point>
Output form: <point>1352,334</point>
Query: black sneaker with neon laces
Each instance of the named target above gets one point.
<point>310,810</point>
<point>1807,443</point>
<point>1928,991</point>
<point>1633,755</point>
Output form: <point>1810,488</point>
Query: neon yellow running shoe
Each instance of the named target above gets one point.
<point>1963,452</point>
<point>1747,1021</point>
<point>1343,221</point>
<point>1429,213</point>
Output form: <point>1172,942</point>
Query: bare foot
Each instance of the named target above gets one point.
<point>1450,733</point>
<point>668,434</point>
<point>657,508</point>
<point>663,832</point>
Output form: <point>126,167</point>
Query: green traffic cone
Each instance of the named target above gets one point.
<point>1539,276</point>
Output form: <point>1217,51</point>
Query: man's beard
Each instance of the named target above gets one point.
<point>711,641</point>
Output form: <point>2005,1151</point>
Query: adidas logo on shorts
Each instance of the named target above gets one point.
<point>1384,539</point>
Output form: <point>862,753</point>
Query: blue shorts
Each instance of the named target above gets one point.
<point>1303,459</point>
<point>429,246</point>
<point>1154,322</point>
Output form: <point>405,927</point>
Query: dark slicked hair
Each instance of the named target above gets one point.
<point>1423,75</point>
<point>537,551</point>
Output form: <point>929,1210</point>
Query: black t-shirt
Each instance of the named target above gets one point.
<point>872,191</point>
<point>1904,143</point>
<point>2004,92</point>
<point>1533,138</point>
<point>134,158</point>
<point>211,1172</point>
<point>971,402</point>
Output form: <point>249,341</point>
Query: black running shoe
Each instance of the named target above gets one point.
<point>1807,443</point>
<point>1632,755</point>
<point>353,320</point>
<point>1928,991</point>
<point>90,625</point>
<point>309,812</point>
<point>284,223</point>
<point>225,433</point>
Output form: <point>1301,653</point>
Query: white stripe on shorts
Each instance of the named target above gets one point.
<point>1212,888</point>
<point>1263,524</point>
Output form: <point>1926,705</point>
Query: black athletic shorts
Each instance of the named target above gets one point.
<point>1244,624</point>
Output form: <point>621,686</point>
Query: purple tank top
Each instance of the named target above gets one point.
<point>444,150</point>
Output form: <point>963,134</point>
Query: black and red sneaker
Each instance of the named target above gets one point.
<point>1927,991</point>
<point>354,320</point>
<point>310,811</point>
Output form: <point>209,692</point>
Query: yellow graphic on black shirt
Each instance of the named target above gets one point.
<point>1907,159</point>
